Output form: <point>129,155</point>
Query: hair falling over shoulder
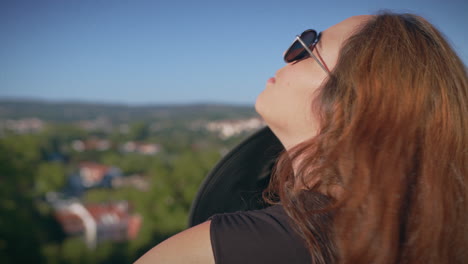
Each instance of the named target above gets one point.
<point>394,143</point>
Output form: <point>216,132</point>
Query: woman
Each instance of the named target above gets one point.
<point>374,117</point>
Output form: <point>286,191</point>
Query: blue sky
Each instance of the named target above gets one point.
<point>150,52</point>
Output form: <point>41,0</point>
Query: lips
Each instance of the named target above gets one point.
<point>271,80</point>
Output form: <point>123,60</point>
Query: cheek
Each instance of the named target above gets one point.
<point>286,105</point>
<point>285,108</point>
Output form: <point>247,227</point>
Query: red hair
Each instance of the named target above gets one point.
<point>394,142</point>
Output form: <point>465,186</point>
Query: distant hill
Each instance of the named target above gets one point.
<point>74,111</point>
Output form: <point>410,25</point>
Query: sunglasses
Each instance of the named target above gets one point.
<point>302,48</point>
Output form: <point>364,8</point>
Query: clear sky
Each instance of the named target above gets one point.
<point>149,52</point>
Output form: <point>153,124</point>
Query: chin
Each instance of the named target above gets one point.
<point>258,105</point>
<point>265,102</point>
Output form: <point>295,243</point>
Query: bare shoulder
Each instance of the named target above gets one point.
<point>190,246</point>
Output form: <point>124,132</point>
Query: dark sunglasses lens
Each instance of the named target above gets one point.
<point>297,51</point>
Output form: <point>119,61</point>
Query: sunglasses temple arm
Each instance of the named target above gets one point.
<point>312,54</point>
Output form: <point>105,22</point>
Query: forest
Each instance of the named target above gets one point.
<point>159,156</point>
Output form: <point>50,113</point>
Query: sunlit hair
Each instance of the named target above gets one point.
<point>394,139</point>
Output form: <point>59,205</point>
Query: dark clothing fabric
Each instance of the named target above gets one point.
<point>237,181</point>
<point>259,236</point>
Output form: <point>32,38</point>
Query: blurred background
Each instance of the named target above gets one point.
<point>112,112</point>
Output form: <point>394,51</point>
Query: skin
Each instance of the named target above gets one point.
<point>190,246</point>
<point>285,105</point>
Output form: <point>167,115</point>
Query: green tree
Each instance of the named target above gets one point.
<point>50,176</point>
<point>139,131</point>
<point>22,228</point>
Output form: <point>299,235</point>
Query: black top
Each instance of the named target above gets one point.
<point>259,236</point>
<point>237,181</point>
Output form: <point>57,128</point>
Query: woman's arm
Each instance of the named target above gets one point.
<point>190,246</point>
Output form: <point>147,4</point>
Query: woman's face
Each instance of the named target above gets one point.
<point>286,102</point>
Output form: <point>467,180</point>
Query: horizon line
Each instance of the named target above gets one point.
<point>117,103</point>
